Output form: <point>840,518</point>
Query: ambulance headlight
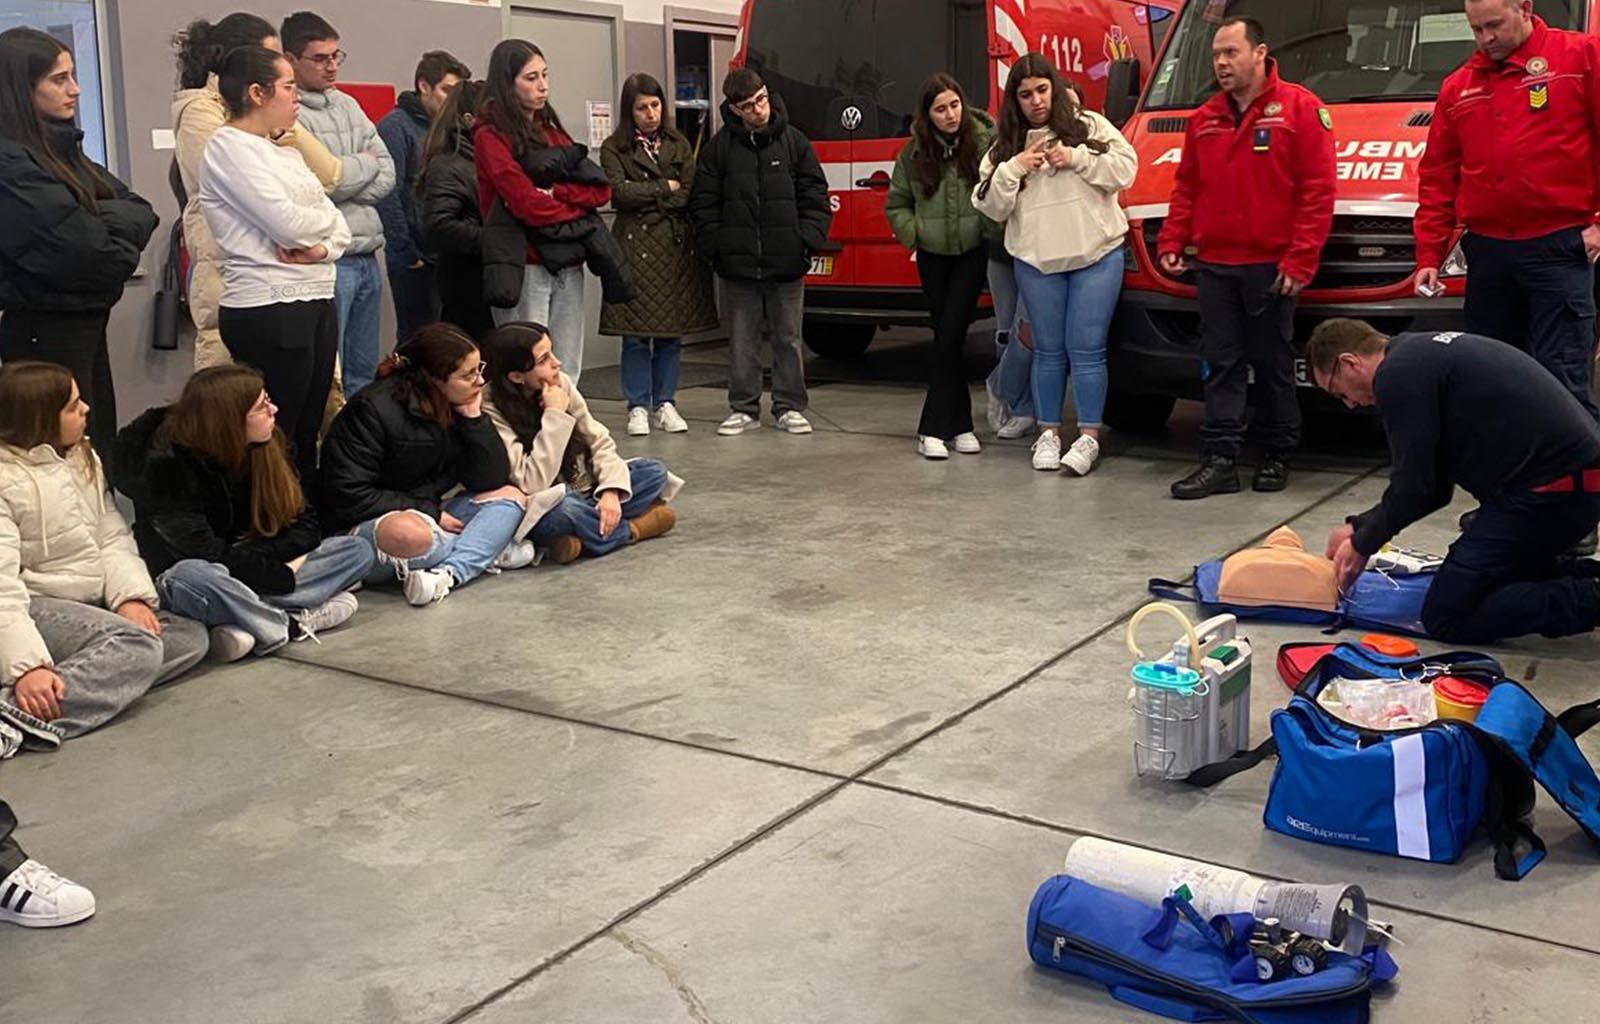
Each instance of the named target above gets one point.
<point>1455,264</point>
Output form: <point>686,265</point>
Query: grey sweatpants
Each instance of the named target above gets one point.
<point>106,661</point>
<point>751,306</point>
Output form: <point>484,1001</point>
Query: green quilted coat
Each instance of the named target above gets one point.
<point>944,223</point>
<point>652,225</point>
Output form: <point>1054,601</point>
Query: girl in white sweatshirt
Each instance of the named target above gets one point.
<point>1053,177</point>
<point>280,236</point>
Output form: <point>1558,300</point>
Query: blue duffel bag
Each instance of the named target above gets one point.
<point>1169,961</point>
<point>1380,601</point>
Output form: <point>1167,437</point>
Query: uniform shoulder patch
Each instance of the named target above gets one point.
<point>1325,117</point>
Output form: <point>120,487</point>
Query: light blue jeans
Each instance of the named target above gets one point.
<point>358,292</point>
<point>650,371</point>
<point>578,515</point>
<point>487,527</point>
<point>555,300</point>
<point>1071,316</point>
<point>1012,378</point>
<point>208,593</point>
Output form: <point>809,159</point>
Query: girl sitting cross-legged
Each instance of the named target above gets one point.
<point>582,497</point>
<point>414,465</point>
<point>222,518</point>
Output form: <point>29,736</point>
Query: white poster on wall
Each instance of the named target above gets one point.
<point>599,122</point>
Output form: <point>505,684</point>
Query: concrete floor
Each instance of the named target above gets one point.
<point>804,760</point>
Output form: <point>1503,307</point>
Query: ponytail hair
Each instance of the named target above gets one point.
<point>421,365</point>
<point>202,46</point>
<point>242,67</point>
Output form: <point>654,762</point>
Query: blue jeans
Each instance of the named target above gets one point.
<point>208,593</point>
<point>650,371</point>
<point>1071,315</point>
<point>555,300</point>
<point>358,292</point>
<point>577,515</point>
<point>487,527</point>
<point>1012,378</point>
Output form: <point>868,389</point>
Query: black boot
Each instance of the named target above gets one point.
<point>1273,473</point>
<point>1585,548</point>
<point>1217,474</point>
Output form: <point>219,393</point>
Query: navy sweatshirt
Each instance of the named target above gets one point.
<point>1469,411</point>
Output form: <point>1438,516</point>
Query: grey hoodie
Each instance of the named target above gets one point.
<point>368,175</point>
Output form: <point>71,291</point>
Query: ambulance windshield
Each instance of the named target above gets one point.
<point>1345,51</point>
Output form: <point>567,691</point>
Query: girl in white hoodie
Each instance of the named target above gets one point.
<point>1053,177</point>
<point>80,636</point>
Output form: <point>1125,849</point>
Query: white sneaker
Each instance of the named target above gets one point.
<point>36,897</point>
<point>998,413</point>
<point>638,421</point>
<point>1047,451</point>
<point>428,586</point>
<point>667,419</point>
<point>932,448</point>
<point>230,643</point>
<point>519,554</point>
<point>1082,456</point>
<point>335,613</point>
<point>1015,427</point>
<point>793,423</point>
<point>967,444</point>
<point>737,424</point>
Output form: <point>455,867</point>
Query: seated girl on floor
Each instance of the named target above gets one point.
<point>80,636</point>
<point>222,519</point>
<point>582,497</point>
<point>399,452</point>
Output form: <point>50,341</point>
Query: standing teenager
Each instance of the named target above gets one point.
<point>197,112</point>
<point>518,121</point>
<point>279,236</point>
<point>930,210</point>
<point>450,222</point>
<point>650,165</point>
<point>1053,177</point>
<point>70,234</point>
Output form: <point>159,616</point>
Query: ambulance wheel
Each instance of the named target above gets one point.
<point>1138,414</point>
<point>838,341</point>
<point>1307,957</point>
<point>1272,963</point>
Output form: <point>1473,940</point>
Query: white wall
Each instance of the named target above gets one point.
<point>650,10</point>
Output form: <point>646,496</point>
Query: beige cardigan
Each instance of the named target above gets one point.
<point>538,470</point>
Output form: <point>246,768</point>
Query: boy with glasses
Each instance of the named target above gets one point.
<point>759,206</point>
<point>367,175</point>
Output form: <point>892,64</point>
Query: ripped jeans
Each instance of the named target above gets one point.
<point>487,528</point>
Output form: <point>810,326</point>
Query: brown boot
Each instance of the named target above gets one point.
<point>565,549</point>
<point>657,520</point>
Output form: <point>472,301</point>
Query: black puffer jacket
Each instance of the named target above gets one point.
<point>452,232</point>
<point>760,200</point>
<point>56,256</point>
<point>186,506</point>
<point>383,455</point>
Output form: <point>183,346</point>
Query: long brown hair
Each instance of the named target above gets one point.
<point>1066,117</point>
<point>449,132</point>
<point>640,84</point>
<point>932,152</point>
<point>508,349</point>
<point>26,57</point>
<point>32,396</point>
<point>209,419</point>
<point>504,110</point>
<point>422,362</point>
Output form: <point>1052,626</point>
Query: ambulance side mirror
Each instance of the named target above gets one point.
<point>1122,90</point>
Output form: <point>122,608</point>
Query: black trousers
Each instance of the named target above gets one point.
<point>1246,325</point>
<point>416,302</point>
<point>951,285</point>
<point>459,280</point>
<point>293,345</point>
<point>1538,295</point>
<point>11,855</point>
<point>1506,575</point>
<point>78,342</point>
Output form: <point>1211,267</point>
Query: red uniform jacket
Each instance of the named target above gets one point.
<point>1512,150</point>
<point>501,177</point>
<point>1260,191</point>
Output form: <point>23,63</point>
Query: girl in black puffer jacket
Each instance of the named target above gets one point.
<point>452,224</point>
<point>401,446</point>
<point>73,234</point>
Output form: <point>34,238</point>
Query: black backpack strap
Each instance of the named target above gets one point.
<point>1579,718</point>
<point>1508,803</point>
<point>1211,774</point>
<point>1172,590</point>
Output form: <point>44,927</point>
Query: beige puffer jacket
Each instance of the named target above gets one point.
<point>196,115</point>
<point>60,536</point>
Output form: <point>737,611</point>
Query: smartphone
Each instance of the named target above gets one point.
<point>1428,292</point>
<point>1035,134</point>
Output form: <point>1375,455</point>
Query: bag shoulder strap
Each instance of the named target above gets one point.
<point>1173,590</point>
<point>1580,718</point>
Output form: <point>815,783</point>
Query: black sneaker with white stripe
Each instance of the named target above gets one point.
<point>36,897</point>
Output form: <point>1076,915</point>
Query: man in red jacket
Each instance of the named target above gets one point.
<point>1254,204</point>
<point>1512,154</point>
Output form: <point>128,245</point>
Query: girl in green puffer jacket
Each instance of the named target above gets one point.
<point>930,210</point>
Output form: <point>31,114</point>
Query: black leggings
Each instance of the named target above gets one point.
<point>11,855</point>
<point>951,285</point>
<point>78,342</point>
<point>293,344</point>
